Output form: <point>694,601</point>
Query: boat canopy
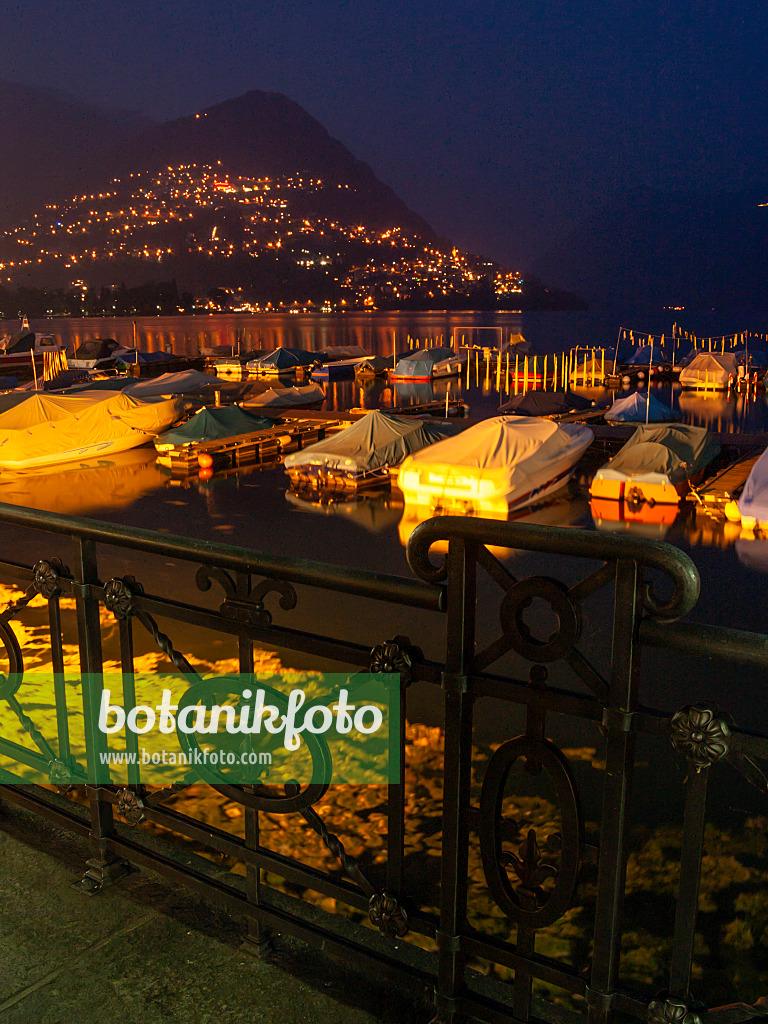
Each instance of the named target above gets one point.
<point>376,440</point>
<point>545,403</point>
<point>21,341</point>
<point>646,354</point>
<point>97,348</point>
<point>49,429</point>
<point>676,452</point>
<point>374,365</point>
<point>132,356</point>
<point>421,363</point>
<point>710,368</point>
<point>280,359</point>
<point>213,424</point>
<point>753,502</point>
<point>640,408</point>
<point>286,398</point>
<point>509,461</point>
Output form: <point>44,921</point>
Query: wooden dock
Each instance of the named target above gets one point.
<point>711,497</point>
<point>255,448</point>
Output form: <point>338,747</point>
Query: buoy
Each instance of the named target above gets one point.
<point>204,460</point>
<point>732,513</point>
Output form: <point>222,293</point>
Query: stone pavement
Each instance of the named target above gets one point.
<point>141,951</point>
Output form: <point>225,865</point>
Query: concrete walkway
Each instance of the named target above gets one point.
<point>142,952</point>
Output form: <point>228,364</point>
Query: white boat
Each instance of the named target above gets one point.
<point>496,466</point>
<point>19,350</point>
<point>97,353</point>
<point>711,371</point>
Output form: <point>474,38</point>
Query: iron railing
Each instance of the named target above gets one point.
<point>532,879</point>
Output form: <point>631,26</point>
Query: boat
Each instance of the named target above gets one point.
<point>340,353</point>
<point>281,360</point>
<point>752,504</point>
<point>428,364</point>
<point>18,351</point>
<point>363,454</point>
<point>374,366</point>
<point>338,369</point>
<point>657,465</point>
<point>545,403</point>
<point>496,466</point>
<point>711,371</point>
<point>212,424</point>
<point>97,353</point>
<point>302,397</point>
<point>46,430</point>
<point>640,407</point>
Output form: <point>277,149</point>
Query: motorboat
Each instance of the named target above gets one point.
<point>428,364</point>
<point>640,407</point>
<point>656,466</point>
<point>496,466</point>
<point>711,371</point>
<point>20,350</point>
<point>363,454</point>
<point>45,430</point>
<point>97,353</point>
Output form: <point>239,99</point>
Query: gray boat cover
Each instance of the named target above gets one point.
<point>677,451</point>
<point>378,439</point>
<point>754,498</point>
<point>421,362</point>
<point>286,398</point>
<point>639,407</point>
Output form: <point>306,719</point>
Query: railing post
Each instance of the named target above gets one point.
<point>460,647</point>
<point>619,764</point>
<point>103,865</point>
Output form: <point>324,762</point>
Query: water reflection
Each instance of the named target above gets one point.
<point>87,487</point>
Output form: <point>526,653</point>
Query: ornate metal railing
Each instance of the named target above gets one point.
<point>531,878</point>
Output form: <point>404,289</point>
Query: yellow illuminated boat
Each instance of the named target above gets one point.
<point>496,466</point>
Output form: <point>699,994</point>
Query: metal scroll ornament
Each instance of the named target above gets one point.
<point>525,901</point>
<point>701,734</point>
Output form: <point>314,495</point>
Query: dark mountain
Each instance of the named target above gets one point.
<point>652,249</point>
<point>264,134</point>
<point>50,141</point>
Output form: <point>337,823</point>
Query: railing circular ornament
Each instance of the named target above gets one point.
<point>130,806</point>
<point>394,656</point>
<point>9,684</point>
<point>386,914</point>
<point>555,594</point>
<point>118,598</point>
<point>701,734</point>
<point>45,579</point>
<point>671,1011</point>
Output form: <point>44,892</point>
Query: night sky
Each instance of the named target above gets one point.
<point>502,123</point>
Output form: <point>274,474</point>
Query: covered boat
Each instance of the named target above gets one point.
<point>710,371</point>
<point>46,429</point>
<point>212,425</point>
<point>656,465</point>
<point>282,360</point>
<point>374,366</point>
<point>18,351</point>
<point>96,352</point>
<point>428,363</point>
<point>545,403</point>
<point>338,369</point>
<point>362,455</point>
<point>753,503</point>
<point>287,398</point>
<point>496,466</point>
<point>640,407</point>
